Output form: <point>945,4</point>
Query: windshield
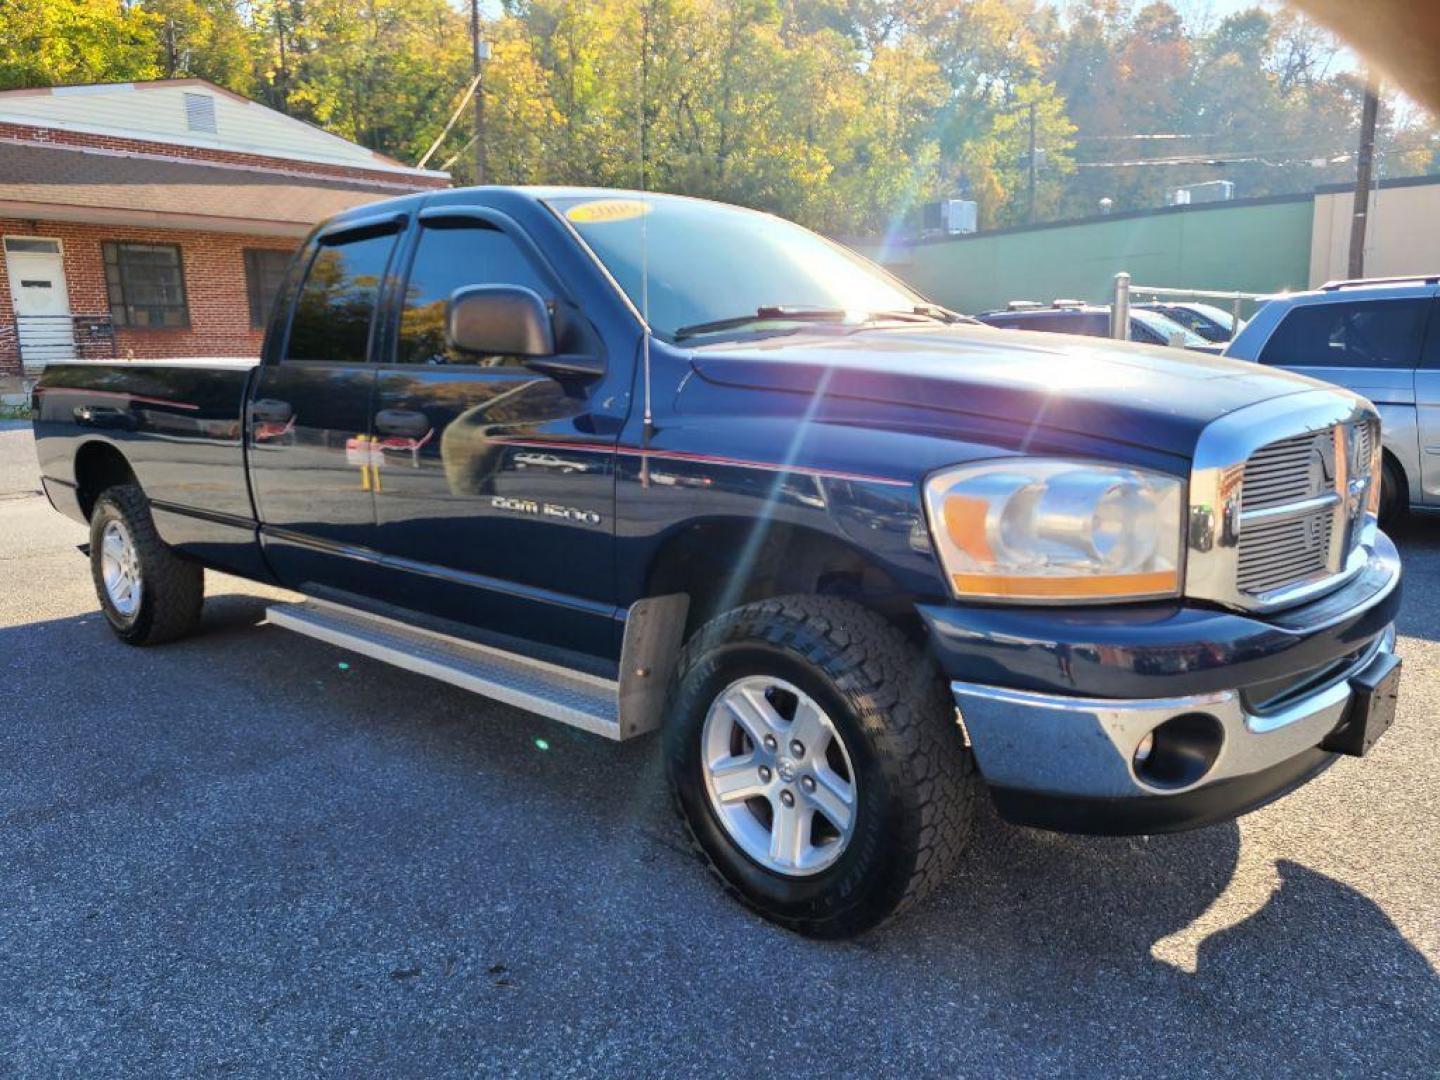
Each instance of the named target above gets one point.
<point>1167,327</point>
<point>709,263</point>
<point>1219,316</point>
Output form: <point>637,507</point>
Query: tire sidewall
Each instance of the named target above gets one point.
<point>874,859</point>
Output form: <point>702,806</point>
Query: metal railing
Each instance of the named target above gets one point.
<point>1124,290</point>
<point>38,340</point>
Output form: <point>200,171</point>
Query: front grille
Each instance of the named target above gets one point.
<point>1280,553</point>
<point>1364,445</point>
<point>1281,472</point>
<point>1294,496</point>
<point>1276,512</point>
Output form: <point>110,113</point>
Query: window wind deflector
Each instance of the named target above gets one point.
<point>358,228</point>
<point>766,313</point>
<point>458,216</point>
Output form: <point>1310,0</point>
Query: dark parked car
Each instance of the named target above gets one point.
<point>856,557</point>
<point>1091,320</point>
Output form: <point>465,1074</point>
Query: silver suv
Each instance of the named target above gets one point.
<point>1379,337</point>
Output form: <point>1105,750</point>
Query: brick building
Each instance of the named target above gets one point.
<point>154,219</point>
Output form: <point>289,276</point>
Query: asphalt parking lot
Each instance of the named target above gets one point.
<point>251,853</point>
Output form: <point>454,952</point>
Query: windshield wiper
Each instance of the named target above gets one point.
<point>786,312</point>
<point>924,311</point>
<point>763,314</point>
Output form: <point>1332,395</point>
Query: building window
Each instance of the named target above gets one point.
<point>146,284</point>
<point>264,273</point>
<point>30,245</point>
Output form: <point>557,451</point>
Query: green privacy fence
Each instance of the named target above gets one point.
<point>1253,245</point>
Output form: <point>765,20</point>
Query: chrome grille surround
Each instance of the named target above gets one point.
<point>1278,500</point>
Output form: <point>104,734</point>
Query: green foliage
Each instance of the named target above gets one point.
<point>58,42</point>
<point>206,39</point>
<point>843,114</point>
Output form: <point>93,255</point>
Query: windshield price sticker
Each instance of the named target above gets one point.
<point>602,211</point>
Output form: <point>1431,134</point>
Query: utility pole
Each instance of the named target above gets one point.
<point>1363,168</point>
<point>1034,165</point>
<point>479,53</point>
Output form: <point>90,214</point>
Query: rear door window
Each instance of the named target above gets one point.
<point>337,302</point>
<point>1357,334</point>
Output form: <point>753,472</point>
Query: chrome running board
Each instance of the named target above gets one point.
<point>577,698</point>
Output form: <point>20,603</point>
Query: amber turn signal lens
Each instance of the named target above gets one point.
<point>1107,586</point>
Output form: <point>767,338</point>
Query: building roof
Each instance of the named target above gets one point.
<point>190,112</point>
<point>55,183</point>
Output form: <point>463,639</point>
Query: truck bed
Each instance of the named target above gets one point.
<point>178,424</point>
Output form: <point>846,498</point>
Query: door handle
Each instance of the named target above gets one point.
<point>406,423</point>
<point>271,410</point>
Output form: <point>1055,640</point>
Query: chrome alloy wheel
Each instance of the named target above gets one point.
<point>778,776</point>
<point>120,568</point>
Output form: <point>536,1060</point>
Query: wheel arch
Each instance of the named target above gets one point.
<point>99,465</point>
<point>1406,481</point>
<point>724,563</point>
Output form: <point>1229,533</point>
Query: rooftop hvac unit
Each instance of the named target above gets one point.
<point>949,217</point>
<point>1206,191</point>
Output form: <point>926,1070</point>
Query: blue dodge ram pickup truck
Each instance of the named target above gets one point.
<point>643,462</point>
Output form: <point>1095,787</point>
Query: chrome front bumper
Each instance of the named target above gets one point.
<point>1084,748</point>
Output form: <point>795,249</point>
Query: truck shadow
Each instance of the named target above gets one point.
<point>1115,939</point>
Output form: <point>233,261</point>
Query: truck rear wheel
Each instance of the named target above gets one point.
<point>148,593</point>
<point>815,759</point>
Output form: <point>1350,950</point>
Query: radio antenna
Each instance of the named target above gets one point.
<point>647,428</point>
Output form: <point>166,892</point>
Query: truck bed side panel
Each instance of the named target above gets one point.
<point>178,425</point>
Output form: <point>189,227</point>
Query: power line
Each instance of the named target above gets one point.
<point>469,90</point>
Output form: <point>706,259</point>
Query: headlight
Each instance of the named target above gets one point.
<point>1046,530</point>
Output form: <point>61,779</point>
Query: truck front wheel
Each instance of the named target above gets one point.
<point>148,593</point>
<point>815,759</point>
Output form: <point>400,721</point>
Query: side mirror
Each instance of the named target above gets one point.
<point>499,320</point>
<point>510,320</point>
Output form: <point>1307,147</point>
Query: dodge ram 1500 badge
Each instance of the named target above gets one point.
<point>855,557</point>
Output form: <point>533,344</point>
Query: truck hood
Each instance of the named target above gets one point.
<point>1149,396</point>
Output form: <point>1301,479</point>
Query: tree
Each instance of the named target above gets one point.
<point>843,114</point>
<point>998,163</point>
<point>385,73</point>
<point>207,39</point>
<point>60,42</point>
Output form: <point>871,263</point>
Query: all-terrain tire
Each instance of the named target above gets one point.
<point>915,778</point>
<point>172,589</point>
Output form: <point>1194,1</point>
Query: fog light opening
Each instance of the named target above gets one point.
<point>1180,751</point>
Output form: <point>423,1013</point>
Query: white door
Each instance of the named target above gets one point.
<point>42,304</point>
